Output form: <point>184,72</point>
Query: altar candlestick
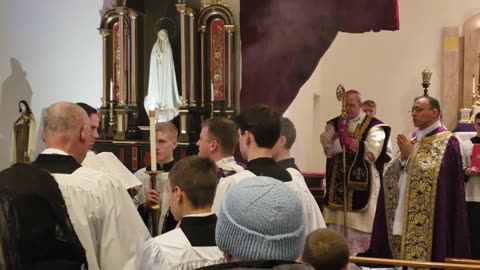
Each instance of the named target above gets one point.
<point>153,155</point>
<point>111,90</point>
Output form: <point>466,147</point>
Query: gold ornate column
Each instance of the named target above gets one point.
<point>181,9</point>
<point>106,87</point>
<point>120,71</point>
<point>183,136</point>
<point>202,65</point>
<point>106,95</point>
<point>133,97</point>
<point>216,27</point>
<point>191,57</point>
<point>121,30</point>
<point>230,29</point>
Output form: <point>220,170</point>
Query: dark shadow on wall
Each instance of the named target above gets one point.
<point>15,88</point>
<point>39,143</point>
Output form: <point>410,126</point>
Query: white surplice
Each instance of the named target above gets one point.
<point>472,187</point>
<point>312,214</point>
<point>103,216</point>
<point>229,164</point>
<point>173,250</point>
<point>161,186</point>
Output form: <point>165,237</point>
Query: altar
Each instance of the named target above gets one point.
<point>194,45</point>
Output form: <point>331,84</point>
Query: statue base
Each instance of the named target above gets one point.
<point>465,115</point>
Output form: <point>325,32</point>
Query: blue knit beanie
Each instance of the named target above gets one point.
<point>261,218</point>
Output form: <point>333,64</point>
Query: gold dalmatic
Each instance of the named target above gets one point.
<point>416,240</point>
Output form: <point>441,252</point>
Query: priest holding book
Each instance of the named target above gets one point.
<point>471,168</point>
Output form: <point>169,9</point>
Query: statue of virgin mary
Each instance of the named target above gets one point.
<point>162,83</point>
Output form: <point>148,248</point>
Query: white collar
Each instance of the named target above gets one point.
<point>359,117</point>
<point>420,134</point>
<point>226,160</point>
<point>50,151</point>
<point>199,215</point>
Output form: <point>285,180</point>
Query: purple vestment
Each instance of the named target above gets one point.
<point>450,226</point>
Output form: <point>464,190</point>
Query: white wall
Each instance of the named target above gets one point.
<point>384,66</point>
<point>58,47</point>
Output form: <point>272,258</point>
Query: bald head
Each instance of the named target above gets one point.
<point>65,127</point>
<point>63,117</point>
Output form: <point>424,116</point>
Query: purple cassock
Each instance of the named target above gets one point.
<point>435,224</point>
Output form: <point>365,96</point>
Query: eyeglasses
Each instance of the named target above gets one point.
<point>419,109</point>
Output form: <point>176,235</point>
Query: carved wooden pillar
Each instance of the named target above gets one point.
<point>104,119</point>
<point>123,57</point>
<point>134,82</point>
<point>230,29</point>
<point>191,56</point>
<point>202,65</point>
<point>181,10</point>
<point>183,136</point>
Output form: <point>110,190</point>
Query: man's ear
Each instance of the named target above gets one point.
<point>43,135</point>
<point>282,141</point>
<point>178,194</point>
<point>249,139</point>
<point>84,134</point>
<point>175,143</point>
<point>213,145</point>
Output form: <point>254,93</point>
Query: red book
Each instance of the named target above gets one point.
<point>475,159</point>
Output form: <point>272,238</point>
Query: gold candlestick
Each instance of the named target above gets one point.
<point>426,76</point>
<point>154,211</point>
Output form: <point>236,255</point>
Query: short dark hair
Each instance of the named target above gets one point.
<point>197,177</point>
<point>263,122</point>
<point>326,249</point>
<point>433,102</point>
<point>288,131</point>
<point>477,116</point>
<point>224,130</point>
<point>89,109</point>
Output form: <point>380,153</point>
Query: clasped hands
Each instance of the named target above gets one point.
<point>472,171</point>
<point>405,146</point>
<point>349,142</point>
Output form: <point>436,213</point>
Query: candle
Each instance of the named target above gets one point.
<point>473,84</point>
<point>153,155</point>
<point>111,90</point>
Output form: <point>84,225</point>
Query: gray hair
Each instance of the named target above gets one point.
<point>63,117</point>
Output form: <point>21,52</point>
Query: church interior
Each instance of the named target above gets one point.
<point>54,51</point>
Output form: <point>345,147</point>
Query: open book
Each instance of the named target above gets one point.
<point>108,163</point>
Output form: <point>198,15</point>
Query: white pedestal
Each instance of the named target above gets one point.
<point>465,115</point>
<point>476,109</point>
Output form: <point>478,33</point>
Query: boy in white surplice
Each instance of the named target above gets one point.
<point>191,188</point>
